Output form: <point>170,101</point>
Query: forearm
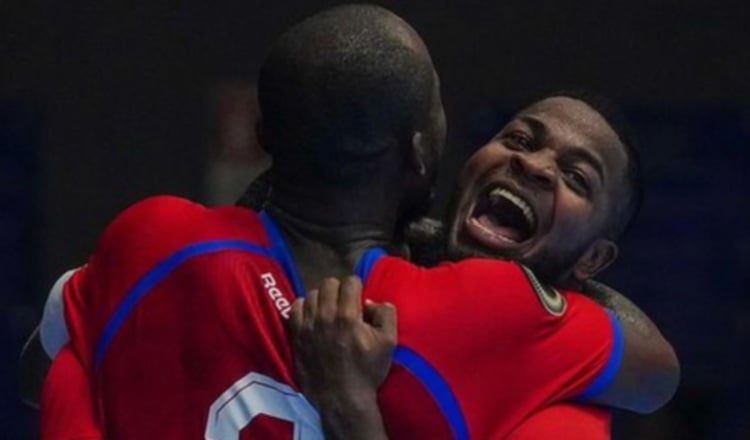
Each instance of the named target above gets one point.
<point>351,415</point>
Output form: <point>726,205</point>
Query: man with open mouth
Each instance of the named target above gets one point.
<point>217,283</point>
<point>554,189</point>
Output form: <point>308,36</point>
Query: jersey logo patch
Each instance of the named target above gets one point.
<point>552,301</point>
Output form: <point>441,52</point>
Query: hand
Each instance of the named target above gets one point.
<point>339,344</point>
<point>342,354</point>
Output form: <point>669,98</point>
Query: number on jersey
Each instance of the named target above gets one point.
<point>256,394</point>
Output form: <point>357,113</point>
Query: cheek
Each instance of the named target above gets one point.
<point>573,214</point>
<point>476,165</point>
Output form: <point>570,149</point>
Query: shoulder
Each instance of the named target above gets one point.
<point>165,228</point>
<point>153,212</point>
<point>487,281</point>
<point>157,214</point>
<point>171,221</point>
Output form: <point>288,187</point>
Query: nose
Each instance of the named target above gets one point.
<point>537,168</point>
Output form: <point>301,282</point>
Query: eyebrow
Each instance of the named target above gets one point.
<point>584,155</point>
<point>539,129</point>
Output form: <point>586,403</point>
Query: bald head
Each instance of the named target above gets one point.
<point>341,89</point>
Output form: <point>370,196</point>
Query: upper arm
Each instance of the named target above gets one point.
<point>68,410</point>
<point>634,376</point>
<point>650,370</point>
<point>115,246</point>
<point>44,343</point>
<point>647,377</point>
<point>620,366</point>
<point>53,331</point>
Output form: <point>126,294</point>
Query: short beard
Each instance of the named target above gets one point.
<point>555,269</point>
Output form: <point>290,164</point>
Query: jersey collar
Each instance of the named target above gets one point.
<point>281,253</point>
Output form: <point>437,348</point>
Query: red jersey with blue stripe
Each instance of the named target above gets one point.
<point>178,323</point>
<point>488,343</point>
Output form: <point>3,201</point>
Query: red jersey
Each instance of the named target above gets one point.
<point>566,421</point>
<point>483,344</point>
<point>178,321</point>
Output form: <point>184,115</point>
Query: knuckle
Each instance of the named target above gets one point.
<point>353,282</point>
<point>325,316</point>
<point>330,283</point>
<point>348,315</point>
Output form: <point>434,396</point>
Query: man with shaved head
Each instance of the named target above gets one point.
<point>175,326</point>
<point>177,320</point>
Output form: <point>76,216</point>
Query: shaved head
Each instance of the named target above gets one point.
<point>340,89</point>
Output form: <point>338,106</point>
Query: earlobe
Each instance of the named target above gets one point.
<point>597,257</point>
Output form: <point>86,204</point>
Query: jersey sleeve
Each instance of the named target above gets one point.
<point>137,239</point>
<point>53,331</point>
<point>67,407</point>
<point>566,420</point>
<point>501,344</point>
<point>584,345</point>
<point>569,346</point>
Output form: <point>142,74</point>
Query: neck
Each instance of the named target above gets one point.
<point>327,235</point>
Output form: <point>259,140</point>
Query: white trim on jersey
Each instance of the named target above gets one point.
<point>52,330</point>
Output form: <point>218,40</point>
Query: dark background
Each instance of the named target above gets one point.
<point>103,103</point>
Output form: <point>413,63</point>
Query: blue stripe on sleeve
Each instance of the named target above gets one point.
<point>367,261</point>
<point>156,274</point>
<point>437,386</point>
<point>613,364</point>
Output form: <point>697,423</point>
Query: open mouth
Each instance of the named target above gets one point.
<point>501,218</point>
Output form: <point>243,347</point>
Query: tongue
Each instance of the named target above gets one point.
<point>508,232</point>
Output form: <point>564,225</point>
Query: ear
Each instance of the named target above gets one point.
<point>599,255</point>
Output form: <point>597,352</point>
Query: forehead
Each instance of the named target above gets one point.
<point>570,123</point>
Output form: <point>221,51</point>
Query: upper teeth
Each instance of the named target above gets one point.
<point>519,202</point>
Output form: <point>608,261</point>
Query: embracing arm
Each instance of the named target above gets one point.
<point>342,353</point>
<point>650,371</point>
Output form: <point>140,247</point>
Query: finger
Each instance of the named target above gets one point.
<point>310,305</point>
<point>383,317</point>
<point>328,299</point>
<point>296,315</point>
<point>350,298</point>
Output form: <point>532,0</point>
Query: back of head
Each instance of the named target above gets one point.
<point>340,90</point>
